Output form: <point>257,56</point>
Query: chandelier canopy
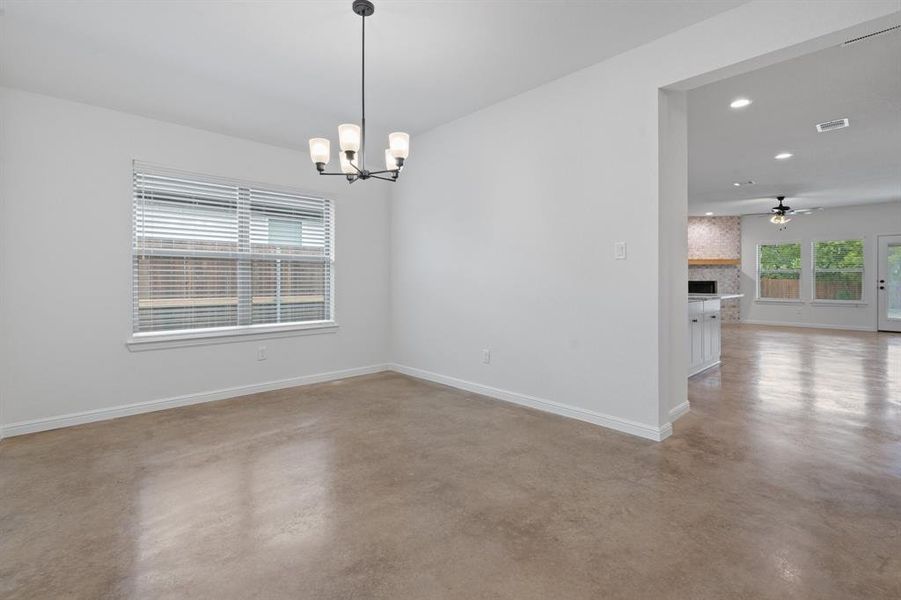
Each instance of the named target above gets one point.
<point>352,137</point>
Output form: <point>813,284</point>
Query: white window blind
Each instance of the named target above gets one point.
<point>214,253</point>
<point>838,270</point>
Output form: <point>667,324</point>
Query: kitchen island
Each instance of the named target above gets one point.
<point>704,333</point>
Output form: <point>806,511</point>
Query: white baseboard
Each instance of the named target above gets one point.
<point>650,432</point>
<point>705,368</point>
<point>678,411</point>
<point>806,325</point>
<point>102,414</point>
<point>114,412</point>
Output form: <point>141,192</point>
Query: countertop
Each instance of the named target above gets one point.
<point>702,297</point>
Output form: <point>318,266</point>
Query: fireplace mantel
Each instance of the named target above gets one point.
<point>715,262</point>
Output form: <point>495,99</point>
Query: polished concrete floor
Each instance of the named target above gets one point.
<point>783,482</point>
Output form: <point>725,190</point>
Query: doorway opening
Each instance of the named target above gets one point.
<point>781,175</point>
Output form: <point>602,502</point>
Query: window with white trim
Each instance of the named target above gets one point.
<point>838,270</point>
<point>211,254</point>
<point>779,271</point>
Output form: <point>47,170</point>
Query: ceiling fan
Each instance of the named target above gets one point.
<point>781,214</point>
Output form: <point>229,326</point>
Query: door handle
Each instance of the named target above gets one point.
<point>712,316</point>
<point>881,287</point>
<point>694,320</point>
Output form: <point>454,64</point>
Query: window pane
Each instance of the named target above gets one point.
<point>185,293</point>
<point>780,286</point>
<point>839,286</point>
<point>286,291</point>
<point>776,257</point>
<point>176,214</point>
<point>288,225</point>
<point>779,275</point>
<point>838,270</point>
<point>893,283</point>
<point>846,254</point>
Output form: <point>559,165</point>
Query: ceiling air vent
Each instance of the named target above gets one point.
<point>830,125</point>
<point>870,35</point>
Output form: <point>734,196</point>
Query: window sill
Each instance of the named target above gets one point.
<point>775,301</point>
<point>838,303</point>
<point>225,335</point>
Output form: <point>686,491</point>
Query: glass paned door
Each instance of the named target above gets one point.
<point>889,283</point>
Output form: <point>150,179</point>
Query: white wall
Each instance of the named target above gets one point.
<point>862,222</point>
<point>503,229</point>
<point>65,262</point>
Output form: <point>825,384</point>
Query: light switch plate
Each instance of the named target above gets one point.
<point>619,250</point>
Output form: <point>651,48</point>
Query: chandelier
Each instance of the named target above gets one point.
<point>352,138</point>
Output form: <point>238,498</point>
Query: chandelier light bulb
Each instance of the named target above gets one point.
<point>349,137</point>
<point>320,150</point>
<point>399,144</point>
<point>347,166</point>
<point>779,219</point>
<point>390,161</point>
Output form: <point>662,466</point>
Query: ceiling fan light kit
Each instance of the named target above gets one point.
<point>352,137</point>
<point>779,212</point>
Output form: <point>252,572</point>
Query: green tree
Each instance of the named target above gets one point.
<point>839,255</point>
<point>780,257</point>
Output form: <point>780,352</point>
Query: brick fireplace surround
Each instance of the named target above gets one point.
<point>717,237</point>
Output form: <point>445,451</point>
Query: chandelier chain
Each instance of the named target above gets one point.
<point>363,97</point>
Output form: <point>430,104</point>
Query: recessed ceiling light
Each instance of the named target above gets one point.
<point>740,103</point>
<point>709,214</point>
<point>741,183</point>
<point>783,155</point>
<point>737,184</point>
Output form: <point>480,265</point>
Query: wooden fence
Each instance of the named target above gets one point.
<point>790,289</point>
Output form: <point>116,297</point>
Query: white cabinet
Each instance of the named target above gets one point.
<point>703,335</point>
<point>712,335</point>
<point>696,333</point>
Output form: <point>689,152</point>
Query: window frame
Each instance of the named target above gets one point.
<point>149,340</point>
<point>800,270</point>
<point>813,272</point>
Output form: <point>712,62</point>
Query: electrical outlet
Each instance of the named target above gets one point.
<point>261,353</point>
<point>486,356</point>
